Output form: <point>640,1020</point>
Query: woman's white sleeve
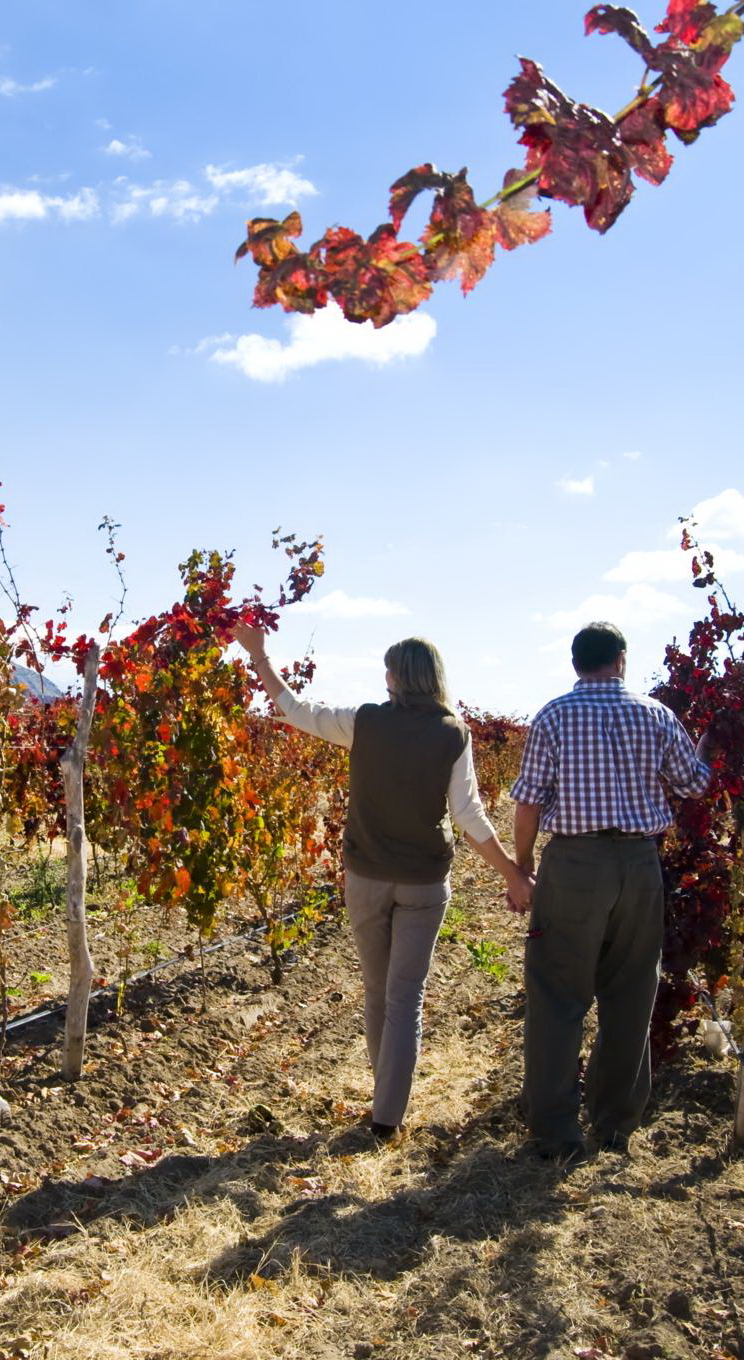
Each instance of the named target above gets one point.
<point>331,724</point>
<point>466,808</point>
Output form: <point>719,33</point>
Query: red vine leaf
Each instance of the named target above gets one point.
<point>515,224</point>
<point>618,19</point>
<point>693,94</point>
<point>461,236</point>
<point>295,283</point>
<point>642,133</point>
<point>409,186</point>
<point>577,150</point>
<point>374,280</point>
<point>686,19</point>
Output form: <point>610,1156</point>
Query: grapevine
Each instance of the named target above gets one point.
<point>702,857</point>
<point>576,154</point>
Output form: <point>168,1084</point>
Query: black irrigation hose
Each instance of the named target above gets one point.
<point>111,987</point>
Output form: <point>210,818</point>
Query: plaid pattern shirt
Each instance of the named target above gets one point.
<point>596,758</point>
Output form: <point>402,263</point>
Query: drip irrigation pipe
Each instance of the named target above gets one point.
<point>111,987</point>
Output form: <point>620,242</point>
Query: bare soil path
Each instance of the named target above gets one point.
<point>210,1189</point>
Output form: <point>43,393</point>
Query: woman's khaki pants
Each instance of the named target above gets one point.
<point>395,927</point>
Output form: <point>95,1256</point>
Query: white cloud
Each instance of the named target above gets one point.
<point>718,519</point>
<point>80,207</point>
<point>633,455</point>
<point>11,88</point>
<point>28,205</point>
<point>204,346</point>
<point>268,184</point>
<point>576,488</point>
<point>21,205</point>
<point>325,336</point>
<point>658,564</point>
<point>640,605</point>
<point>339,605</point>
<point>121,199</point>
<point>177,199</point>
<point>132,149</point>
<point>719,516</point>
<point>668,564</point>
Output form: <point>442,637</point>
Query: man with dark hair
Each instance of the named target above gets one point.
<point>597,645</point>
<point>593,774</point>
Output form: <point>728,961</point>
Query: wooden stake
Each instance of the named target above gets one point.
<point>81,964</point>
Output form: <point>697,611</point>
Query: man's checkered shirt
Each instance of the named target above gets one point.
<point>598,757</point>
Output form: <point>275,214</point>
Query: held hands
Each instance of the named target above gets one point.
<point>520,885</point>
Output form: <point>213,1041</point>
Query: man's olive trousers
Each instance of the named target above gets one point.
<point>595,931</point>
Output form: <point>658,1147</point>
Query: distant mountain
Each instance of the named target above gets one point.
<point>32,681</point>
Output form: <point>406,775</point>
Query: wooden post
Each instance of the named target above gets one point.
<point>739,1099</point>
<point>81,964</point>
<point>739,1106</point>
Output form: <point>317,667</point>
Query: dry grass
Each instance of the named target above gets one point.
<point>305,1242</point>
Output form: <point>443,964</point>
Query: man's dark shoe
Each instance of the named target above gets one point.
<point>615,1142</point>
<point>569,1153</point>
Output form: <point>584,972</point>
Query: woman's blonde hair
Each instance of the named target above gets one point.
<point>418,671</point>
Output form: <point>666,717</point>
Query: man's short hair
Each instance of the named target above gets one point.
<point>596,646</point>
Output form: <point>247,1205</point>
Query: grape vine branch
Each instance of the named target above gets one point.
<point>575,153</point>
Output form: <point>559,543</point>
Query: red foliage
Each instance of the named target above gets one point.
<point>701,856</point>
<point>575,153</point>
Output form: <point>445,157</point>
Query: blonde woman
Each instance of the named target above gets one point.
<point>410,772</point>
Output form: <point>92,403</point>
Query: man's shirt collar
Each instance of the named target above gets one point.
<point>614,685</point>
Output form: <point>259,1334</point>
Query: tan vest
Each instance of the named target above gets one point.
<point>401,761</point>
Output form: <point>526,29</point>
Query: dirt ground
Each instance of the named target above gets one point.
<point>210,1188</point>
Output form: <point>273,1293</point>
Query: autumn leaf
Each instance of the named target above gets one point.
<point>182,879</point>
<point>642,132</point>
<point>515,223</point>
<point>693,94</point>
<point>686,19</point>
<point>296,283</point>
<point>618,19</point>
<point>723,33</point>
<point>576,151</point>
<point>409,186</point>
<point>374,280</point>
<point>268,240</point>
<point>460,238</point>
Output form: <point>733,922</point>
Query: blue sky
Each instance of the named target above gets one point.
<point>491,472</point>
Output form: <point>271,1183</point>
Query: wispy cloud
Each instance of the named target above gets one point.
<point>573,487</point>
<point>121,199</point>
<point>131,149</point>
<point>640,605</point>
<point>633,455</point>
<point>323,337</point>
<point>11,88</point>
<point>264,184</point>
<point>339,605</point>
<point>28,205</point>
<point>205,346</point>
<point>175,199</point>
